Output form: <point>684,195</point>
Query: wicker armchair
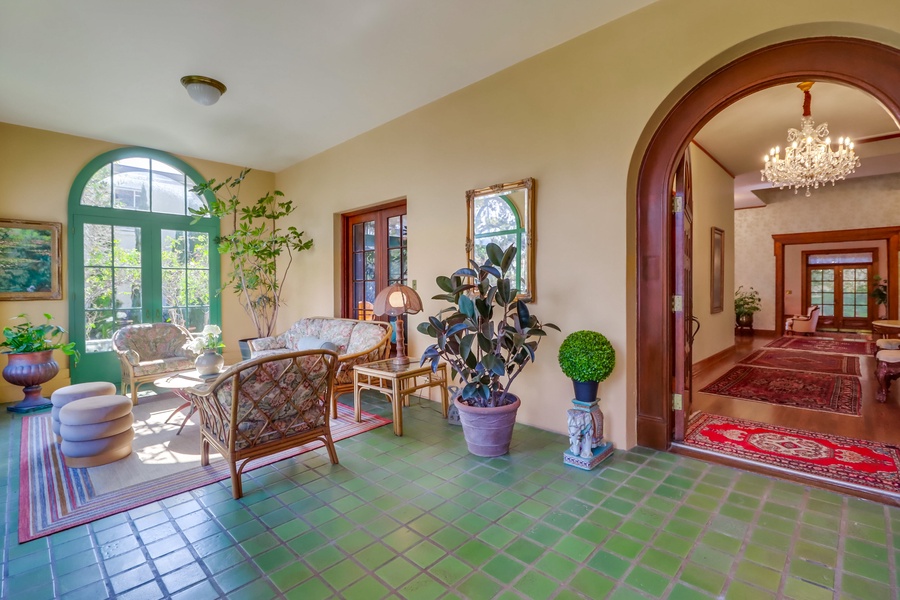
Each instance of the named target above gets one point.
<point>357,342</point>
<point>150,350</point>
<point>263,406</point>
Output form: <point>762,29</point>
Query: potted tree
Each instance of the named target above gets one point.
<point>260,251</point>
<point>587,358</point>
<point>880,293</point>
<point>487,336</point>
<point>29,348</point>
<point>745,304</point>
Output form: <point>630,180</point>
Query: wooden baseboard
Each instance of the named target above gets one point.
<point>702,365</point>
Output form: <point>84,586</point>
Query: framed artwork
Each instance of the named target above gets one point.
<point>30,260</point>
<point>717,271</point>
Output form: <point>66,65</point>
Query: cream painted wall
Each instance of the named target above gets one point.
<point>794,272</point>
<point>713,195</point>
<point>37,169</point>
<point>851,204</point>
<point>576,118</point>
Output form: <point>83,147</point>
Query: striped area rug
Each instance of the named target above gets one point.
<point>53,497</point>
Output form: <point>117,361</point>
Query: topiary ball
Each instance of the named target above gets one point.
<point>587,356</point>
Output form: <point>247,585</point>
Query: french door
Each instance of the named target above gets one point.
<point>136,269</point>
<point>842,293</point>
<point>375,257</point>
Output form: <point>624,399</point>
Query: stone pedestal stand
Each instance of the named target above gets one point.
<point>586,446</point>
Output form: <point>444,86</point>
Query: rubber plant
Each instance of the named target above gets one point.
<point>487,335</point>
<point>260,251</point>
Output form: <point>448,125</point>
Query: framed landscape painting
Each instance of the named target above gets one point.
<point>30,260</point>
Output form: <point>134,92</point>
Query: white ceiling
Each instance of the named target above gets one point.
<point>302,75</point>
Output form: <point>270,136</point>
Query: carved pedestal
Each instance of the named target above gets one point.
<point>586,446</point>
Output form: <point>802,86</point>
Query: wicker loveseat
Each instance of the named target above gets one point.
<point>149,351</point>
<point>356,343</point>
<point>262,406</point>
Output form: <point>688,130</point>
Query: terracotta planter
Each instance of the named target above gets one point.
<point>488,431</point>
<point>30,370</point>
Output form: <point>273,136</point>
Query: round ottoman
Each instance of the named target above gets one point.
<point>96,431</point>
<point>70,393</point>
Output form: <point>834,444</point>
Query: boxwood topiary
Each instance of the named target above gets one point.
<point>587,356</point>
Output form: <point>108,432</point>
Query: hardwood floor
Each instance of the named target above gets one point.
<point>878,422</point>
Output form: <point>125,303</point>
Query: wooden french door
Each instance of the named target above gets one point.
<point>682,307</point>
<point>374,257</point>
<point>842,293</point>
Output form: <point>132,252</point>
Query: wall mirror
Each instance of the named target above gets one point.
<point>504,214</point>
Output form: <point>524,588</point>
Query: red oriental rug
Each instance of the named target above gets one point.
<point>814,391</point>
<point>820,455</point>
<point>815,362</point>
<point>53,497</point>
<point>823,344</point>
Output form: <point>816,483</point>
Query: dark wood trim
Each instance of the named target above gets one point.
<point>878,138</point>
<point>712,158</point>
<point>763,469</point>
<point>805,299</point>
<point>376,207</point>
<point>855,62</point>
<point>840,235</point>
<point>712,359</point>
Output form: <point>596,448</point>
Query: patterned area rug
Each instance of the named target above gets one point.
<point>815,362</point>
<point>859,462</point>
<point>814,391</point>
<point>53,497</point>
<point>822,344</point>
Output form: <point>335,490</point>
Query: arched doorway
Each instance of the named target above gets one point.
<point>869,66</point>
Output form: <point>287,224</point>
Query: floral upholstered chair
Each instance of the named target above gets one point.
<point>356,343</point>
<point>265,405</point>
<point>148,351</point>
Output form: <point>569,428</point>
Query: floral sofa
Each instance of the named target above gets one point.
<point>148,351</point>
<point>262,406</point>
<point>356,343</point>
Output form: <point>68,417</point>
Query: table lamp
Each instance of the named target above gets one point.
<point>395,301</point>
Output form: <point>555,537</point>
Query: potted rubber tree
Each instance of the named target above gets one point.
<point>260,251</point>
<point>587,358</point>
<point>487,336</point>
<point>745,304</point>
<point>29,348</point>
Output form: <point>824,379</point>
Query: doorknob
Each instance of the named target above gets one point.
<point>695,329</point>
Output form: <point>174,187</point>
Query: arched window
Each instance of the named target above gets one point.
<point>135,256</point>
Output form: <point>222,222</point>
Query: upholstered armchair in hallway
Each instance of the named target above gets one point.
<point>263,406</point>
<point>805,324</point>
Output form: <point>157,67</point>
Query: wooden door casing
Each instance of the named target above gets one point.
<point>683,210</point>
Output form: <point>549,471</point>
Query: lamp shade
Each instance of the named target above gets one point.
<point>397,299</point>
<point>203,90</point>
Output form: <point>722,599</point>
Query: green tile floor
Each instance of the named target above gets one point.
<point>417,517</point>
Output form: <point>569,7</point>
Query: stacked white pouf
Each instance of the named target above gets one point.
<point>71,393</point>
<point>94,430</point>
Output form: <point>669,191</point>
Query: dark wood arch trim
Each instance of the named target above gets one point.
<point>890,234</point>
<point>869,66</point>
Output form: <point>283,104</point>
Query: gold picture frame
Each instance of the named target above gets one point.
<point>30,260</point>
<point>717,271</point>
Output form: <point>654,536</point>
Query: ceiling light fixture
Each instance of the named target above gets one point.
<point>809,161</point>
<point>203,90</point>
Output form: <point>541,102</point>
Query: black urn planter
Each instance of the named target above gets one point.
<point>745,321</point>
<point>585,391</point>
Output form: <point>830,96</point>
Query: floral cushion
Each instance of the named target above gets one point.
<point>164,365</point>
<point>151,342</point>
<point>347,335</point>
<point>365,335</point>
<point>276,399</point>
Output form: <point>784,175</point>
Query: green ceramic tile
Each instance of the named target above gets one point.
<point>504,568</point>
<point>663,562</point>
<point>702,578</point>
<point>592,584</point>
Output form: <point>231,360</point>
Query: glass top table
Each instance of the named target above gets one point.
<point>397,382</point>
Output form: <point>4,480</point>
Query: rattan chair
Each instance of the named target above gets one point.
<point>263,406</point>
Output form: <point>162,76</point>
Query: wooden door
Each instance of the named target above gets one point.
<point>682,206</point>
<point>842,293</point>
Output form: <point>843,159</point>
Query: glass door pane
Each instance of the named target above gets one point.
<point>362,263</point>
<point>185,278</point>
<point>112,282</point>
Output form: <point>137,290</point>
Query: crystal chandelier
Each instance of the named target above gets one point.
<point>809,160</point>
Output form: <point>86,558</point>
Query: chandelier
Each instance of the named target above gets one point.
<point>809,160</point>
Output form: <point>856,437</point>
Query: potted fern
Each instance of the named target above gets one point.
<point>488,336</point>
<point>29,348</point>
<point>587,358</point>
<point>745,304</point>
<point>261,252</point>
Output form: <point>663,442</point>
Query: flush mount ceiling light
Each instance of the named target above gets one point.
<point>203,90</point>
<point>809,161</point>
